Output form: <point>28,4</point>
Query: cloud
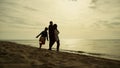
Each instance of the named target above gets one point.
<point>12,14</point>
<point>117,18</point>
<point>18,21</point>
<point>102,24</point>
<point>105,5</point>
<point>8,2</point>
<point>115,23</point>
<point>30,8</point>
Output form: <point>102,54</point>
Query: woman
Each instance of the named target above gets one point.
<point>56,32</point>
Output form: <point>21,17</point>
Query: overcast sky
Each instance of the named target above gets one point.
<point>83,19</point>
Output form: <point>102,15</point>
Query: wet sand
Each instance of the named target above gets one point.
<point>13,55</point>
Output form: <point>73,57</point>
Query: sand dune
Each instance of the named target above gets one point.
<point>13,55</point>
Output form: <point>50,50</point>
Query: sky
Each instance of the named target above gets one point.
<point>82,19</point>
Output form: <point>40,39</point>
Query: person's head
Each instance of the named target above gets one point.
<point>55,26</point>
<point>51,22</point>
<point>46,28</point>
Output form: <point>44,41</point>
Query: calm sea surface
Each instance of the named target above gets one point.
<point>105,48</point>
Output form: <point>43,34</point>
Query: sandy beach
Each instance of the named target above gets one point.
<point>13,55</point>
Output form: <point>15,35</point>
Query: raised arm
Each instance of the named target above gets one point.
<point>38,35</point>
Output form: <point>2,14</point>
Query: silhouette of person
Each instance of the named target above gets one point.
<point>51,35</point>
<point>43,37</point>
<point>56,32</point>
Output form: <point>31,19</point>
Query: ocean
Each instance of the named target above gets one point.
<point>104,48</point>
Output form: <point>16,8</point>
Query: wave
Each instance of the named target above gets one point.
<point>100,55</point>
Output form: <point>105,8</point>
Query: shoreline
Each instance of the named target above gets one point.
<point>14,54</point>
<point>95,54</point>
<point>98,55</point>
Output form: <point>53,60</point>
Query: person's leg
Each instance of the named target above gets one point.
<point>51,44</point>
<point>40,45</point>
<point>58,45</point>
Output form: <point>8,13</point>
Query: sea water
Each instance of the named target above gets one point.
<point>105,48</point>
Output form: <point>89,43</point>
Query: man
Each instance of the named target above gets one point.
<point>51,35</point>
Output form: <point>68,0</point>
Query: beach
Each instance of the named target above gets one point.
<point>13,55</point>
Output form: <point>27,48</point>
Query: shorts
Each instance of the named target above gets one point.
<point>42,40</point>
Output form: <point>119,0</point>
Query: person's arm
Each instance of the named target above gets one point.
<point>47,36</point>
<point>58,31</point>
<point>38,35</point>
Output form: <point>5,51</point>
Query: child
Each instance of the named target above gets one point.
<point>43,37</point>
